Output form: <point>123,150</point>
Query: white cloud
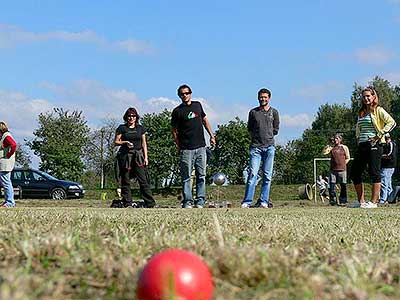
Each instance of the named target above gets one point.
<point>318,92</point>
<point>393,1</point>
<point>20,112</point>
<point>12,36</point>
<point>297,121</point>
<point>374,55</point>
<point>393,77</point>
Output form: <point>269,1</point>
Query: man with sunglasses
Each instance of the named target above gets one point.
<point>188,120</point>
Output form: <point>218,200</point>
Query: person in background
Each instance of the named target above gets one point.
<point>263,125</point>
<point>340,156</point>
<point>323,187</point>
<point>133,159</point>
<point>388,165</point>
<point>372,124</point>
<point>8,147</point>
<point>187,121</point>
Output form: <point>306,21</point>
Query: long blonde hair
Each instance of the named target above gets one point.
<point>363,110</point>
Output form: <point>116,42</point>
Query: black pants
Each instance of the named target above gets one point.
<point>367,155</point>
<point>142,176</point>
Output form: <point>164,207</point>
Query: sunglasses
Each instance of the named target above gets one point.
<point>185,93</point>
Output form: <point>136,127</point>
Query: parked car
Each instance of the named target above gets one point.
<point>31,183</point>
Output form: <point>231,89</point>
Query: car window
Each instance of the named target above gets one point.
<point>29,175</point>
<point>37,176</point>
<point>16,175</point>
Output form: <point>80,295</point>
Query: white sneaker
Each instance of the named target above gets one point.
<point>245,205</point>
<point>263,205</point>
<point>368,205</point>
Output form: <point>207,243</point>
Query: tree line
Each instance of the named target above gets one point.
<point>69,149</point>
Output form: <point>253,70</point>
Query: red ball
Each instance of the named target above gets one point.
<point>177,275</point>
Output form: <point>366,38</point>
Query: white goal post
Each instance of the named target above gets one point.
<point>315,173</point>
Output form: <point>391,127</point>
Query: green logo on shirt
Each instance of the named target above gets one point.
<point>192,115</point>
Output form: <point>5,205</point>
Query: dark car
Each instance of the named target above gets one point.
<point>31,183</point>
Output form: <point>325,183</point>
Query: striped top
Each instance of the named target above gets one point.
<point>367,129</point>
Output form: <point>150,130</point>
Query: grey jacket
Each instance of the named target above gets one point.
<point>263,126</point>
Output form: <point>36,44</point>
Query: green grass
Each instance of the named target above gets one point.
<point>80,249</point>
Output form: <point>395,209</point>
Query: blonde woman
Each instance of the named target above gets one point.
<point>7,162</point>
<point>372,125</point>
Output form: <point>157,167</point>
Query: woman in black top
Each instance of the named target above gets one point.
<point>132,158</point>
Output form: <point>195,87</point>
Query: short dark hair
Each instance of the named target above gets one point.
<point>131,111</point>
<point>264,91</point>
<point>183,86</point>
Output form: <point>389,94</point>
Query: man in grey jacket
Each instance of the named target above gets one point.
<point>263,125</point>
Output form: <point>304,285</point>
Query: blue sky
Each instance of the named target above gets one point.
<point>104,56</point>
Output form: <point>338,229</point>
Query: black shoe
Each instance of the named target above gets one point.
<point>117,204</point>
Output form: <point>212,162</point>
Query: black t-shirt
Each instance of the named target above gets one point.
<point>188,120</point>
<point>133,135</point>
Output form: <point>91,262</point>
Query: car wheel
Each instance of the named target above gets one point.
<point>58,194</point>
<point>20,192</point>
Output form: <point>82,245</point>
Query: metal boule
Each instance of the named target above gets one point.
<point>219,178</point>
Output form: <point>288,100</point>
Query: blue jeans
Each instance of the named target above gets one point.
<point>193,158</point>
<point>266,156</point>
<point>5,180</point>
<point>392,198</point>
<point>386,180</point>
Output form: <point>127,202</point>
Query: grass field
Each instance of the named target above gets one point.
<point>80,249</point>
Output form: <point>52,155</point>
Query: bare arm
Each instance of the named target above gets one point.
<point>175,137</point>
<point>119,142</point>
<point>208,128</point>
<point>144,146</point>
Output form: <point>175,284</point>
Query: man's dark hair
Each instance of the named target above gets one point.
<point>184,86</point>
<point>264,91</point>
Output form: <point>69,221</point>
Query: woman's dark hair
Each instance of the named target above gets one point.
<point>264,91</point>
<point>131,111</point>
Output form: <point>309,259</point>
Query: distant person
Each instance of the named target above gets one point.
<point>188,120</point>
<point>133,159</point>
<point>8,147</point>
<point>372,125</point>
<point>388,165</point>
<point>263,125</point>
<point>323,187</point>
<point>340,156</point>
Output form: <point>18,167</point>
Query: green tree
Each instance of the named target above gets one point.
<point>285,164</point>
<point>230,155</point>
<point>59,142</point>
<point>162,152</point>
<point>22,157</point>
<point>100,153</point>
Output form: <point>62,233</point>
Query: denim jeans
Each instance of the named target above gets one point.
<point>5,179</point>
<point>386,180</point>
<point>193,158</point>
<point>266,156</point>
<point>392,198</point>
